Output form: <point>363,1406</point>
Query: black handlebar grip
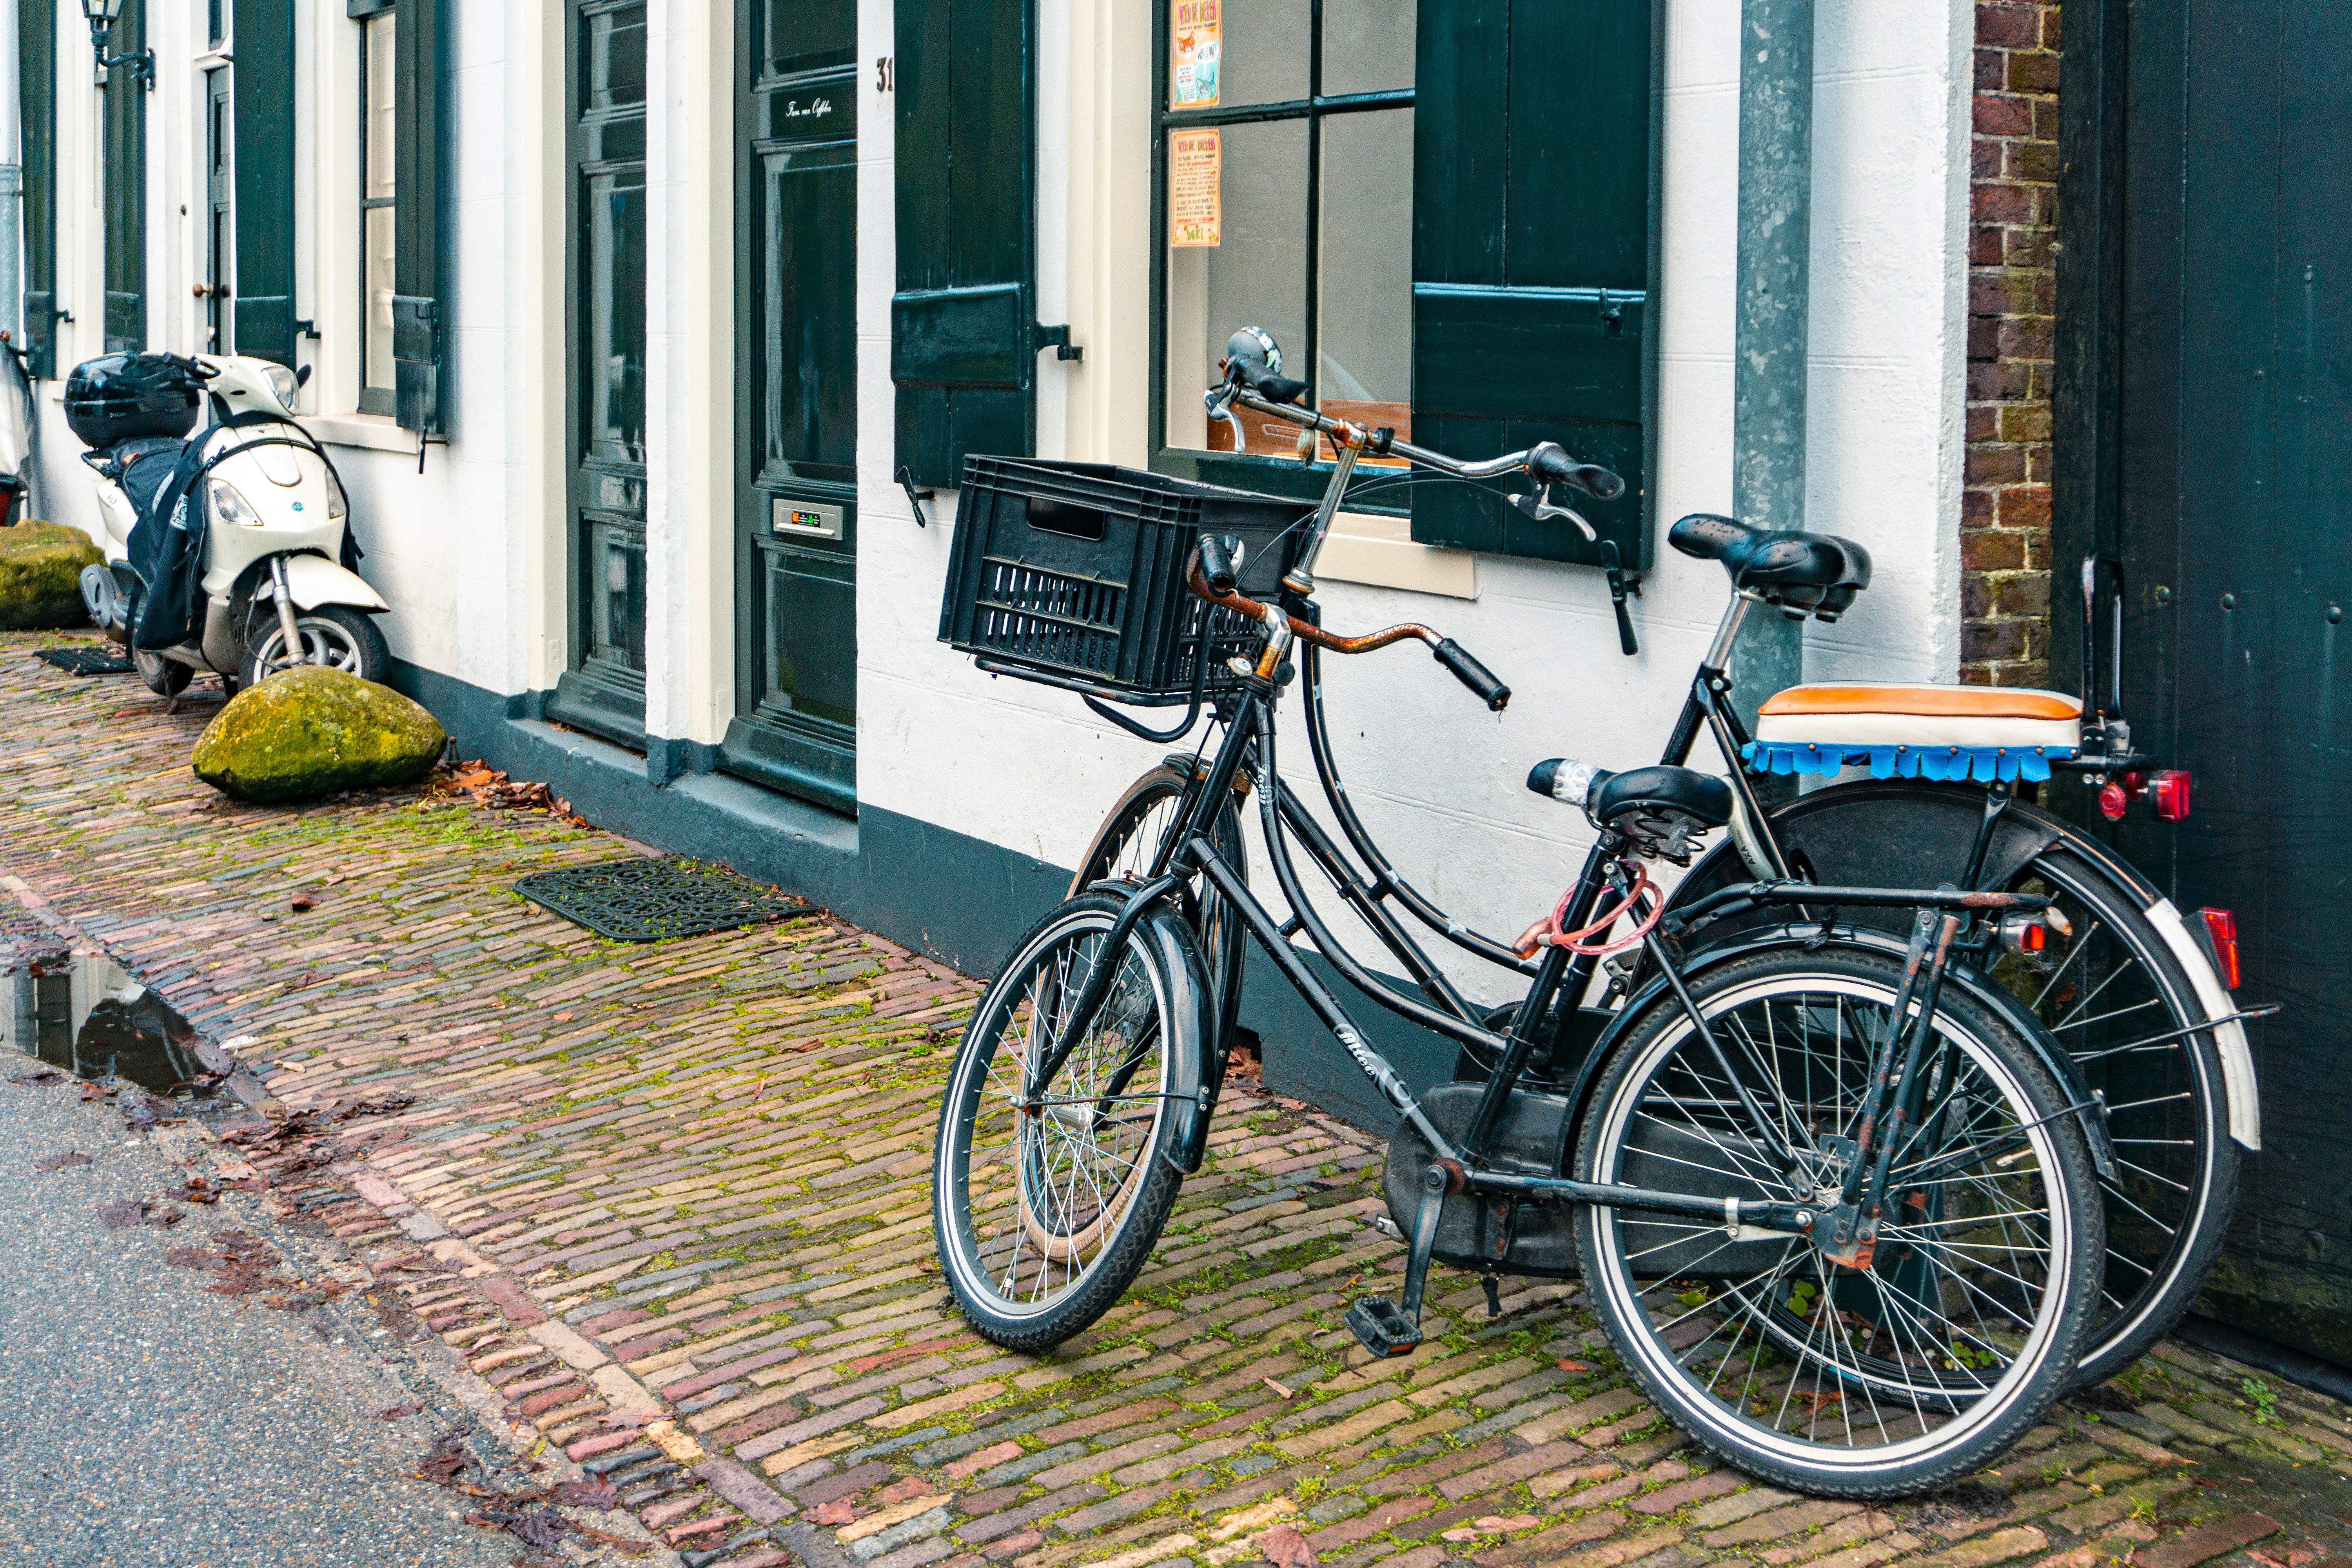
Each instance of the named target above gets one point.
<point>1473,675</point>
<point>1217,565</point>
<point>1553,466</point>
<point>1266,383</point>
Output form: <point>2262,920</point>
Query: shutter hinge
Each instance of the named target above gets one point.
<point>1058,340</point>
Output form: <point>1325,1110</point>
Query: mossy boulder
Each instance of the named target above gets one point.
<point>41,575</point>
<point>312,731</point>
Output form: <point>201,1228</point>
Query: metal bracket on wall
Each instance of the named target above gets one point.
<point>1058,340</point>
<point>308,329</point>
<point>915,497</point>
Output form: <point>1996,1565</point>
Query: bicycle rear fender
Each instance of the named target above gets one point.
<point>2045,1046</point>
<point>1942,849</point>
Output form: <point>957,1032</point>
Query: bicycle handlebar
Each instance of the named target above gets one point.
<point>1214,560</point>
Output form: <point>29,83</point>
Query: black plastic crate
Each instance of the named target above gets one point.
<point>1077,571</point>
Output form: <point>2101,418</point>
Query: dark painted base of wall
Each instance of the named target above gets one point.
<point>960,899</point>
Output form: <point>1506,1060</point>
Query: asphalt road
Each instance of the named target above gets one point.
<point>144,1420</point>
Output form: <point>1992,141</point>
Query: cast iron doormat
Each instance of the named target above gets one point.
<point>644,900</point>
<point>95,659</point>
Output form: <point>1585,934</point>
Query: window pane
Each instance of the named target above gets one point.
<point>613,58</point>
<point>376,43</point>
<point>804,35</point>
<point>1263,58</point>
<point>377,354</point>
<point>1255,276</point>
<point>613,317</point>
<point>1366,343</point>
<point>1367,45</point>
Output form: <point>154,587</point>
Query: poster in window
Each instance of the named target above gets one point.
<point>1197,34</point>
<point>1195,194</point>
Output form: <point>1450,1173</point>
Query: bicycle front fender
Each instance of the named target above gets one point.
<point>1191,1047</point>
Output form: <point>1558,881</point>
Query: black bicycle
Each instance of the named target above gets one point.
<point>2130,1001</point>
<point>1833,1199</point>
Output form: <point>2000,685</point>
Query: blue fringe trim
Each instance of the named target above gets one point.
<point>1952,763</point>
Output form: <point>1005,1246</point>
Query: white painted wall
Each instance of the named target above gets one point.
<point>1439,781</point>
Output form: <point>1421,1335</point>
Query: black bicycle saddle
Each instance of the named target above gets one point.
<point>1820,572</point>
<point>1656,789</point>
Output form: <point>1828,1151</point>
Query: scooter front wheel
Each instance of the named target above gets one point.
<point>331,634</point>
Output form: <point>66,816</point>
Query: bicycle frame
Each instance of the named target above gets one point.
<point>1189,849</point>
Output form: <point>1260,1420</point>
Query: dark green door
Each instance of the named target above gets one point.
<point>605,691</point>
<point>2229,343</point>
<point>125,134</point>
<point>796,516</point>
<point>220,231</point>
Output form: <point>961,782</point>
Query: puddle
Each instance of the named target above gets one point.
<point>84,1014</point>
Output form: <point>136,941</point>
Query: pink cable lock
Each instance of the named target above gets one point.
<point>1547,932</point>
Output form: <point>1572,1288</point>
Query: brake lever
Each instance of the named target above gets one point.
<point>1541,506</point>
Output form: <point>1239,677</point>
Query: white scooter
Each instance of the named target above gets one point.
<point>260,582</point>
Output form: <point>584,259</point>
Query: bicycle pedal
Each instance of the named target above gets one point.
<point>1381,1327</point>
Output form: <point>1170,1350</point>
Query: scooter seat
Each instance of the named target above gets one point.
<point>1937,732</point>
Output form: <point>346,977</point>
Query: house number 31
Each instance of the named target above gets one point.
<point>882,74</point>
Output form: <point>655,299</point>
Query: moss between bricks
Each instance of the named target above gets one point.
<point>41,575</point>
<point>312,731</point>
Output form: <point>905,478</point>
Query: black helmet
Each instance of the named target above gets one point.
<point>118,396</point>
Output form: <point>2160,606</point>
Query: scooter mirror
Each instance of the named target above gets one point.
<point>302,376</point>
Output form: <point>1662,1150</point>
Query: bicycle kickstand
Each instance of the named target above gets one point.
<point>1384,1328</point>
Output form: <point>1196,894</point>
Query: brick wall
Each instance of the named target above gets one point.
<point>2014,200</point>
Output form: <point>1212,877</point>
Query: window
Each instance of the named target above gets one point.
<point>1286,179</point>
<point>378,189</point>
<point>123,133</point>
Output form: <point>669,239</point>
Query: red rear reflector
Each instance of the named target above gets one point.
<point>2168,793</point>
<point>2113,802</point>
<point>2034,938</point>
<point>2221,927</point>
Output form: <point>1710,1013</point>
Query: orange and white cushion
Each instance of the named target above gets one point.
<point>1936,732</point>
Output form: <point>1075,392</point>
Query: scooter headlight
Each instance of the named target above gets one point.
<point>230,506</point>
<point>282,382</point>
<point>337,507</point>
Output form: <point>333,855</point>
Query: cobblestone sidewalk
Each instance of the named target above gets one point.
<point>672,1202</point>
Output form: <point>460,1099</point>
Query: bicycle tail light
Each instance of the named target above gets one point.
<point>2168,792</point>
<point>2114,801</point>
<point>2221,937</point>
<point>2035,934</point>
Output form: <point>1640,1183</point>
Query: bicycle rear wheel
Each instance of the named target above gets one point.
<point>1046,1199</point>
<point>1939,1350</point>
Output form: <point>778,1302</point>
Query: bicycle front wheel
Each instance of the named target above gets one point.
<point>1128,841</point>
<point>1047,1199</point>
<point>1933,1354</point>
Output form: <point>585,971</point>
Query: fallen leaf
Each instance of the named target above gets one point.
<point>542,1529</point>
<point>399,1412</point>
<point>564,1017</point>
<point>1567,1365</point>
<point>303,903</point>
<point>1278,1388</point>
<point>36,1080</point>
<point>445,1460</point>
<point>61,1162</point>
<point>1285,1548</point>
<point>128,1212</point>
<point>596,1492</point>
<point>840,1510</point>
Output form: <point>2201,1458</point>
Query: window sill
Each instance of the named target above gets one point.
<point>1363,547</point>
<point>373,432</point>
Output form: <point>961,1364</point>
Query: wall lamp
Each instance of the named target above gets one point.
<point>101,15</point>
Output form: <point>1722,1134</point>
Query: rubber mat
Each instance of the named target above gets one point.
<point>102,658</point>
<point>647,900</point>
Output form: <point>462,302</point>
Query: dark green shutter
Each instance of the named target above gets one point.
<point>420,163</point>
<point>1534,259</point>
<point>37,88</point>
<point>963,324</point>
<point>263,115</point>
<point>125,184</point>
